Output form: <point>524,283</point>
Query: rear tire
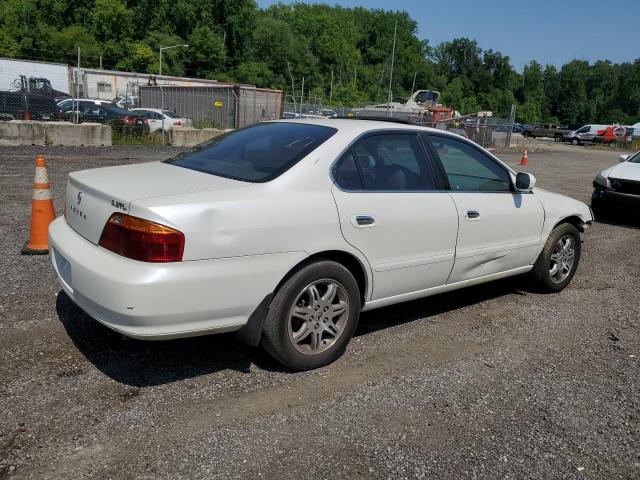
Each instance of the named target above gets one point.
<point>526,134</point>
<point>558,261</point>
<point>312,316</point>
<point>558,138</point>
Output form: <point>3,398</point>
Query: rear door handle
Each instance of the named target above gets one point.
<point>471,214</point>
<point>365,221</point>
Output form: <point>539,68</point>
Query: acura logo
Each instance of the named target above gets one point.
<point>79,198</point>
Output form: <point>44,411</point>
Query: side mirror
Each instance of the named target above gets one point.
<point>525,182</point>
<point>623,158</point>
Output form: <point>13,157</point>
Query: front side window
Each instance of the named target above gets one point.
<point>258,153</point>
<point>385,162</point>
<point>468,169</point>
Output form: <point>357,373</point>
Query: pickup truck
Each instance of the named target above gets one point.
<point>546,130</point>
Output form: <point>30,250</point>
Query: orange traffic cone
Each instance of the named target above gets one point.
<point>42,211</point>
<point>525,158</point>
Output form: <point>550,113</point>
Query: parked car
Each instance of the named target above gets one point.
<point>123,121</point>
<point>154,119</point>
<point>27,106</point>
<point>584,134</point>
<point>545,130</point>
<point>618,185</point>
<point>78,104</point>
<point>126,102</point>
<point>285,231</point>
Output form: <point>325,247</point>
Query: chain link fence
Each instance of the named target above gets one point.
<point>483,128</point>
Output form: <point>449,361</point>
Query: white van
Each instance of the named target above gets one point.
<point>584,134</point>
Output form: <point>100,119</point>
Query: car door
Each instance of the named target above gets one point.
<point>391,210</point>
<point>499,228</point>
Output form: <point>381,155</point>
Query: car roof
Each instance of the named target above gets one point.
<point>357,126</point>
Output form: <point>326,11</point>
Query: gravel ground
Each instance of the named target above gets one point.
<point>489,382</point>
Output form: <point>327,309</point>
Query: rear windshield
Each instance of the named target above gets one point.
<point>258,153</point>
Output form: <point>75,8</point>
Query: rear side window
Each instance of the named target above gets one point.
<point>258,153</point>
<point>385,162</point>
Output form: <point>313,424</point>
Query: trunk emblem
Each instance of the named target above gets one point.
<point>79,198</point>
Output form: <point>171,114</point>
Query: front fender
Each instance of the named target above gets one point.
<point>560,207</point>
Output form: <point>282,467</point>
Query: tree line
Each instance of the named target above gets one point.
<point>343,54</point>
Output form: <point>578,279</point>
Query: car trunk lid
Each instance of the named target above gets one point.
<point>92,196</point>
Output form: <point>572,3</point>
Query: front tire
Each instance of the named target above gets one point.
<point>312,316</point>
<point>558,261</point>
<point>575,141</point>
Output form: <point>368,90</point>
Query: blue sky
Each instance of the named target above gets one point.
<point>548,31</point>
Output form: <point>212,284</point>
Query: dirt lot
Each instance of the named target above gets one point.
<point>489,382</point>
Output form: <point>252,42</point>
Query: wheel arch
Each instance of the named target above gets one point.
<point>346,259</point>
<point>251,333</point>
<point>574,220</point>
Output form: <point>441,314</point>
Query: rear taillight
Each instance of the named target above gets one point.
<point>127,120</point>
<point>141,239</point>
<point>177,123</point>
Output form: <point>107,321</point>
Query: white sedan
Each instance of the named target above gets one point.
<point>285,231</point>
<point>155,117</point>
<point>618,185</point>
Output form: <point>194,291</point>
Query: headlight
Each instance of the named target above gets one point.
<point>602,181</point>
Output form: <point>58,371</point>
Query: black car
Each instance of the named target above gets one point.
<point>27,106</point>
<point>122,121</point>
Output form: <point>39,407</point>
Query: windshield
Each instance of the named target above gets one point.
<point>258,153</point>
<point>635,158</point>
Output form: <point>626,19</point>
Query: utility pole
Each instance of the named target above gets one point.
<point>302,96</point>
<point>331,87</point>
<point>100,62</point>
<point>413,85</point>
<point>355,74</point>
<point>293,90</point>
<point>393,54</point>
<point>76,112</point>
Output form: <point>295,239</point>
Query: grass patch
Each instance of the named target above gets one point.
<point>123,138</point>
<point>206,124</point>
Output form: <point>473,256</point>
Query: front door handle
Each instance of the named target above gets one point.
<point>471,214</point>
<point>365,220</point>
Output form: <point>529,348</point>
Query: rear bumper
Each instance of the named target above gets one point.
<point>155,301</point>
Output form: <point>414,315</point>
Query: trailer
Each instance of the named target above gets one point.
<point>15,74</point>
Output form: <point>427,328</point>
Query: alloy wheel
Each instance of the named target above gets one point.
<point>562,259</point>
<point>318,316</point>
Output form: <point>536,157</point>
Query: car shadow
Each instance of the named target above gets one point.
<point>141,363</point>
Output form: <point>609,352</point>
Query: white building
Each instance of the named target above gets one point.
<point>89,82</point>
